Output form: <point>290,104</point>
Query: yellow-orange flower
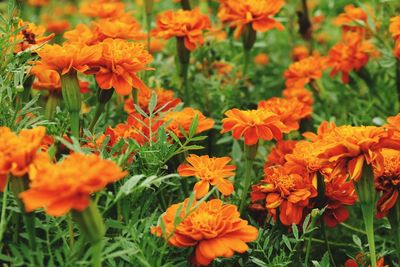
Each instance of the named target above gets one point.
<point>349,148</point>
<point>352,53</point>
<point>69,56</point>
<point>261,59</point>
<point>165,101</point>
<point>18,151</point>
<point>394,27</point>
<point>30,36</point>
<point>304,71</point>
<point>253,125</point>
<point>102,8</point>
<point>388,182</point>
<point>300,52</point>
<point>290,111</point>
<point>38,3</point>
<point>186,24</point>
<point>351,19</point>
<point>284,189</point>
<point>208,170</point>
<point>45,79</point>
<point>183,119</point>
<point>63,186</point>
<point>301,94</point>
<point>216,230</point>
<point>117,29</point>
<point>120,62</point>
<point>279,151</point>
<point>258,13</point>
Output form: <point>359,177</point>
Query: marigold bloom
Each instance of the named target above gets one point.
<point>279,151</point>
<point>216,230</point>
<point>57,26</point>
<point>352,19</point>
<point>46,79</point>
<point>349,148</point>
<point>70,56</point>
<point>396,51</point>
<point>120,62</point>
<point>208,170</point>
<point>183,119</point>
<point>362,260</point>
<point>261,59</point>
<point>304,71</point>
<point>258,13</point>
<point>393,123</point>
<point>290,111</point>
<point>352,53</point>
<point>394,27</point>
<point>300,52</point>
<point>186,24</point>
<point>18,151</point>
<point>222,68</point>
<point>301,94</point>
<point>284,189</point>
<point>253,125</point>
<point>102,9</point>
<point>165,101</point>
<point>63,186</point>
<point>117,29</point>
<point>82,34</point>
<point>30,36</point>
<point>388,182</point>
<point>157,45</point>
<point>38,3</point>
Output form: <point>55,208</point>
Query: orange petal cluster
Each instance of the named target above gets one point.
<point>258,13</point>
<point>186,24</point>
<point>29,36</point>
<point>17,152</point>
<point>304,71</point>
<point>253,125</point>
<point>63,186</point>
<point>177,120</point>
<point>394,29</point>
<point>214,228</point>
<point>354,19</point>
<point>210,171</point>
<point>301,94</point>
<point>103,8</point>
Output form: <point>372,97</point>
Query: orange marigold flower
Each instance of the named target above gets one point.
<point>284,189</point>
<point>38,3</point>
<point>18,151</point>
<point>394,27</point>
<point>70,56</point>
<point>45,79</point>
<point>56,188</point>
<point>178,120</point>
<point>304,71</point>
<point>388,182</point>
<point>165,101</point>
<point>301,94</point>
<point>216,229</point>
<point>253,125</point>
<point>120,62</point>
<point>222,68</point>
<point>57,26</point>
<point>102,9</point>
<point>362,260</point>
<point>261,59</point>
<point>353,19</point>
<point>157,45</point>
<point>393,123</point>
<point>352,53</point>
<point>30,36</point>
<point>208,170</point>
<point>186,24</point>
<point>82,34</point>
<point>290,111</point>
<point>349,148</point>
<point>279,151</point>
<point>396,51</point>
<point>118,29</point>
<point>300,52</point>
<point>258,13</point>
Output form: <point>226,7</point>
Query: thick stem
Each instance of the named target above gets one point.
<point>250,154</point>
<point>184,60</point>
<point>3,221</point>
<point>17,186</point>
<point>367,196</point>
<point>314,217</point>
<point>148,5</point>
<point>72,97</point>
<point>186,4</point>
<point>103,97</point>
<point>328,248</point>
<point>249,36</point>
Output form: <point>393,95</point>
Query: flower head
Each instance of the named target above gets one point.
<point>63,186</point>
<point>353,19</point>
<point>120,62</point>
<point>208,170</point>
<point>117,29</point>
<point>394,27</point>
<point>253,125</point>
<point>301,94</point>
<point>17,152</point>
<point>103,9</point>
<point>290,111</point>
<point>214,228</point>
<point>300,52</point>
<point>304,71</point>
<point>279,151</point>
<point>30,36</point>
<point>177,120</point>
<point>261,59</point>
<point>258,13</point>
<point>284,189</point>
<point>186,24</point>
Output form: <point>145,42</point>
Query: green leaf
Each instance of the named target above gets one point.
<point>295,231</point>
<point>153,102</point>
<point>285,240</point>
<point>193,126</point>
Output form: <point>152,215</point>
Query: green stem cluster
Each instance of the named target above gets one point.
<point>250,154</point>
<point>249,36</point>
<point>72,97</point>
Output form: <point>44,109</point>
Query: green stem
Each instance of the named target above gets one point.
<point>72,97</point>
<point>17,186</point>
<point>135,96</point>
<point>353,228</point>
<point>148,5</point>
<point>250,154</point>
<point>367,196</point>
<point>184,60</point>
<point>249,36</point>
<point>186,5</point>
<point>100,107</point>
<point>325,236</point>
<point>70,230</point>
<point>96,253</point>
<point>3,222</point>
<point>246,60</point>
<point>394,219</point>
<point>51,105</point>
<point>75,124</point>
<point>314,217</point>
